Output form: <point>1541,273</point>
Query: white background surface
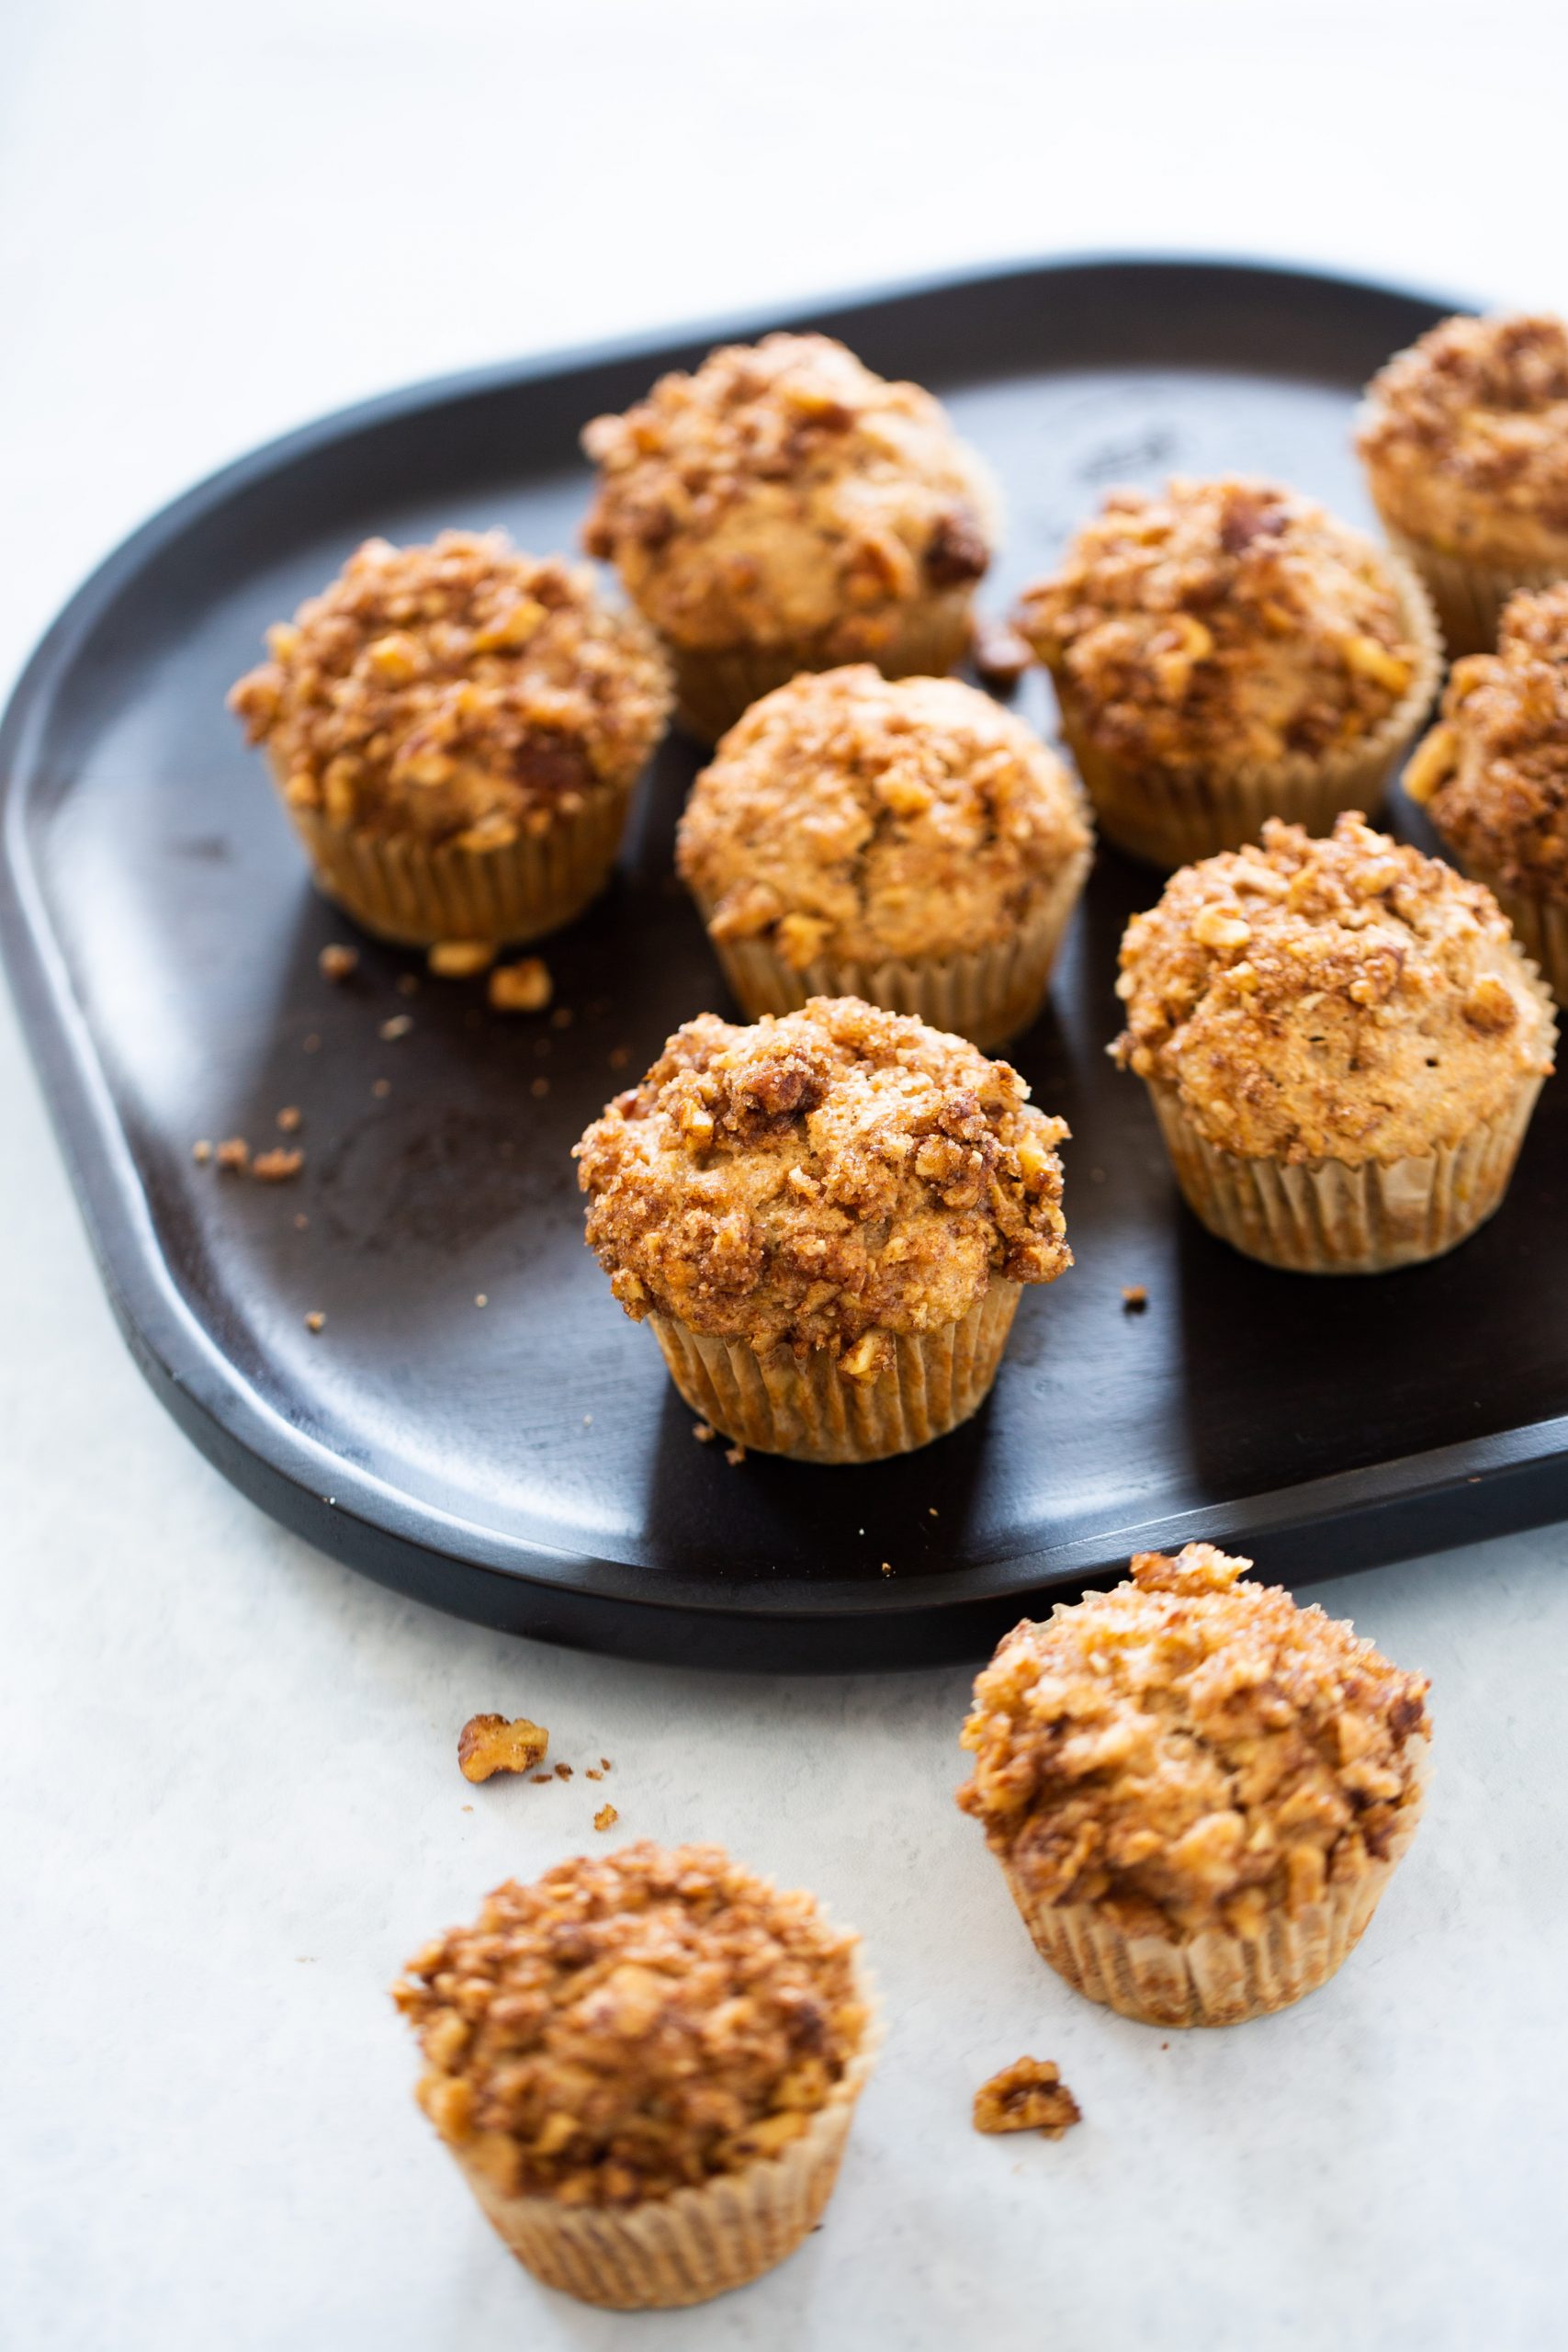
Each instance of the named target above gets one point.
<point>229,1797</point>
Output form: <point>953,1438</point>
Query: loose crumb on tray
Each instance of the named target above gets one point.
<point>234,1154</point>
<point>397,1026</point>
<point>201,1152</point>
<point>460,959</point>
<point>703,1432</point>
<point>290,1119</point>
<point>338,962</point>
<point>490,1744</point>
<point>1135,1297</point>
<point>563,1771</point>
<point>521,988</point>
<point>315,1321</point>
<point>607,1817</point>
<point>278,1166</point>
<point>1028,2095</point>
<point>734,1455</point>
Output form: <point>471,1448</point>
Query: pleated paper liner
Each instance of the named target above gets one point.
<point>1540,926</point>
<point>1328,1217</point>
<point>696,2243</point>
<point>1215,1978</point>
<point>989,995</point>
<point>403,890</point>
<point>714,685</point>
<point>1171,818</point>
<point>1469,596</point>
<point>803,1407</point>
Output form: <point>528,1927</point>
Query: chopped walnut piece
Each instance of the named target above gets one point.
<point>315,1321</point>
<point>490,1744</point>
<point>234,1155</point>
<point>397,1026</point>
<point>607,1817</point>
<point>734,1455</point>
<point>1028,2095</point>
<point>603,1763</point>
<point>703,1432</point>
<point>521,988</point>
<point>461,959</point>
<point>1135,1297</point>
<point>278,1166</point>
<point>563,1771</point>
<point>290,1119</point>
<point>337,963</point>
<point>201,1152</point>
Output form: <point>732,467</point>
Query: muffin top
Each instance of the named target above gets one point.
<point>632,2024</point>
<point>822,1179</point>
<point>1494,773</point>
<point>1220,623</point>
<point>1344,998</point>
<point>783,491</point>
<point>1189,1751</point>
<point>459,692</point>
<point>1466,438</point>
<point>856,816</point>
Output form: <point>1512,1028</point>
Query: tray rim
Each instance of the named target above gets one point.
<point>1392,1509</point>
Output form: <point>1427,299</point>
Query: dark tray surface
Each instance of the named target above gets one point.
<point>527,1463</point>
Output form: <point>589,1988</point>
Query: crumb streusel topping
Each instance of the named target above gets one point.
<point>822,1179</point>
<point>632,2024</point>
<point>1465,437</point>
<point>1495,775</point>
<point>1338,999</point>
<point>781,491</point>
<point>461,692</point>
<point>1189,1751</point>
<point>1216,624</point>
<point>859,817</point>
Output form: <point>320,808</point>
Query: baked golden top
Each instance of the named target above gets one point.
<point>1216,624</point>
<point>459,692</point>
<point>1189,1751</point>
<point>1494,773</point>
<point>632,2024</point>
<point>859,817</point>
<point>1465,435</point>
<point>1344,998</point>
<point>784,492</point>
<point>822,1179</point>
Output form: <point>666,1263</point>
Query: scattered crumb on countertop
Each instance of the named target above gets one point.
<point>290,1119</point>
<point>1134,1298</point>
<point>521,988</point>
<point>734,1455</point>
<point>381,1088</point>
<point>337,962</point>
<point>607,1817</point>
<point>397,1026</point>
<point>234,1154</point>
<point>489,1744</point>
<point>276,1167</point>
<point>460,959</point>
<point>703,1432</point>
<point>315,1321</point>
<point>563,1771</point>
<point>1028,2095</point>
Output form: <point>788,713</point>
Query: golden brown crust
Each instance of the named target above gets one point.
<point>632,2024</point>
<point>856,816</point>
<point>1222,624</point>
<point>1465,437</point>
<point>821,1180</point>
<point>1344,998</point>
<point>1190,1752</point>
<point>1028,2095</point>
<point>1493,775</point>
<point>783,493</point>
<point>459,692</point>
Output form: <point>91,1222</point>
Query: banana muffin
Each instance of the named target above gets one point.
<point>900,839</point>
<point>1197,1791</point>
<point>456,730</point>
<point>645,2065</point>
<point>1343,1044</point>
<point>1225,651</point>
<point>1464,438</point>
<point>1493,775</point>
<point>826,1219</point>
<point>784,509</point>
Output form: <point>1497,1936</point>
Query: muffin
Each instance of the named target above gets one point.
<point>1493,775</point>
<point>456,730</point>
<point>645,2067</point>
<point>1464,438</point>
<point>1225,651</point>
<point>1342,1044</point>
<point>783,509</point>
<point>827,1220</point>
<point>1197,1791</point>
<point>899,840</point>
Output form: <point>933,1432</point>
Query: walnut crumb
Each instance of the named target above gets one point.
<point>619,1057</point>
<point>1028,2095</point>
<point>541,1776</point>
<point>1135,1297</point>
<point>604,1764</point>
<point>381,1088</point>
<point>290,1119</point>
<point>734,1455</point>
<point>337,963</point>
<point>278,1166</point>
<point>397,1026</point>
<point>563,1771</point>
<point>300,1221</point>
<point>592,1774</point>
<point>481,1298</point>
<point>201,1152</point>
<point>315,1321</point>
<point>1000,655</point>
<point>234,1155</point>
<point>408,983</point>
<point>703,1432</point>
<point>887,1568</point>
<point>460,959</point>
<point>607,1817</point>
<point>489,1744</point>
<point>539,1088</point>
<point>521,988</point>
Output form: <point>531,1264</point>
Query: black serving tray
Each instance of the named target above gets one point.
<point>527,1463</point>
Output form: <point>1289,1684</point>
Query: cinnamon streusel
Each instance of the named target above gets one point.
<point>1197,1790</point>
<point>1225,651</point>
<point>827,1219</point>
<point>456,730</point>
<point>645,2064</point>
<point>1464,438</point>
<point>904,840</point>
<point>784,509</point>
<point>1342,1044</point>
<point>1494,774</point>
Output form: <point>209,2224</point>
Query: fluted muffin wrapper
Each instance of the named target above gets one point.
<point>1468,595</point>
<point>1540,926</point>
<point>803,1407</point>
<point>715,684</point>
<point>987,995</point>
<point>1172,817</point>
<point>1214,1978</point>
<point>696,2243</point>
<point>405,890</point>
<point>1332,1216</point>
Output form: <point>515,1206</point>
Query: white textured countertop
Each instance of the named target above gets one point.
<point>231,1803</point>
